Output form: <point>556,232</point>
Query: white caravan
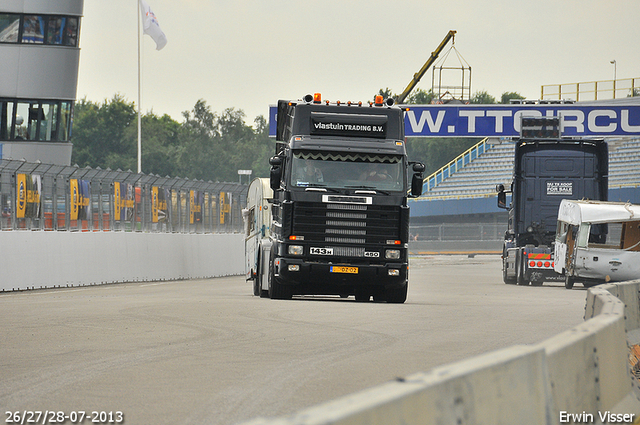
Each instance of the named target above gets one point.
<point>257,226</point>
<point>597,242</point>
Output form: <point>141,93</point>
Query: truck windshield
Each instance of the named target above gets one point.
<point>347,170</point>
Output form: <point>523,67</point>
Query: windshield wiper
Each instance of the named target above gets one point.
<point>324,187</point>
<point>372,188</point>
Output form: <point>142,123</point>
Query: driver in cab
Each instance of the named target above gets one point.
<point>309,173</point>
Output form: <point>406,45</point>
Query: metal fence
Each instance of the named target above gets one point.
<point>458,232</point>
<point>592,90</point>
<point>36,196</point>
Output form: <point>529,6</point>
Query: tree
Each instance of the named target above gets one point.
<point>421,97</point>
<point>99,138</point>
<point>160,143</point>
<point>507,96</point>
<point>417,97</point>
<point>482,98</point>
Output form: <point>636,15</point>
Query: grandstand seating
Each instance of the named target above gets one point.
<point>494,164</point>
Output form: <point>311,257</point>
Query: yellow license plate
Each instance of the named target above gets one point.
<point>343,269</point>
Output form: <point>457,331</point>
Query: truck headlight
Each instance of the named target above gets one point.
<point>392,254</point>
<point>295,250</point>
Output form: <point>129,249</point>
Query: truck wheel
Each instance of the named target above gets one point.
<point>362,296</point>
<point>569,281</point>
<point>256,279</point>
<point>277,291</point>
<point>396,295</point>
<point>256,286</point>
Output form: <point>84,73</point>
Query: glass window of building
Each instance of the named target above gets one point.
<point>70,35</point>
<point>9,27</point>
<point>62,30</point>
<point>22,128</point>
<point>65,121</point>
<point>35,120</point>
<point>48,123</point>
<point>6,119</point>
<point>55,29</point>
<point>33,31</point>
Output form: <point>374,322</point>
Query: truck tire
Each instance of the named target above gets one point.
<point>537,282</point>
<point>569,281</point>
<point>396,295</point>
<point>256,286</point>
<point>277,291</point>
<point>256,279</point>
<point>362,296</point>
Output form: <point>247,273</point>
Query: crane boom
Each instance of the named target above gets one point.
<point>417,76</point>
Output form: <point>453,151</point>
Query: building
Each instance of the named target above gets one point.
<point>39,47</point>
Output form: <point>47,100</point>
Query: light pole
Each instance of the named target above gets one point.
<point>615,76</point>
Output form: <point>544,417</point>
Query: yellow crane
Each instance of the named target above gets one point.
<point>418,75</point>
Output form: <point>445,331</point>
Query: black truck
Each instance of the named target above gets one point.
<point>547,169</point>
<point>340,221</point>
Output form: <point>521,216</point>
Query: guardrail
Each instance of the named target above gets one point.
<point>36,196</point>
<point>579,376</point>
<point>457,163</point>
<point>592,90</point>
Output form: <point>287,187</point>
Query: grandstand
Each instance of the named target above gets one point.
<point>476,172</point>
<point>459,201</point>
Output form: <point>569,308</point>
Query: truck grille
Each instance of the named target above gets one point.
<point>346,223</point>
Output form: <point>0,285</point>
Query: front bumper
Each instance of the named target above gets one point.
<point>296,271</point>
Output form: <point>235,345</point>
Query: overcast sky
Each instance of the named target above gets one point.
<point>248,54</point>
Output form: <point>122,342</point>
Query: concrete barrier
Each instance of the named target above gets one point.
<point>39,259</point>
<point>579,376</point>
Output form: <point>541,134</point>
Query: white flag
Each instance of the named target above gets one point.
<point>150,25</point>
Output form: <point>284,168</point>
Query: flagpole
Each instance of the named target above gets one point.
<point>139,100</point>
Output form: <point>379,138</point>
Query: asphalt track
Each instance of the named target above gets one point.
<point>208,352</point>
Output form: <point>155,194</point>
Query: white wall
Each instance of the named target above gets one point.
<point>36,259</point>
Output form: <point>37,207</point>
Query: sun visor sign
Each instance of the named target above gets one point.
<point>560,188</point>
<point>369,126</point>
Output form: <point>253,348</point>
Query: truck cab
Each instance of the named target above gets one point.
<point>547,169</point>
<point>340,220</point>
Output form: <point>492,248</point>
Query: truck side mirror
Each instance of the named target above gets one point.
<point>417,179</point>
<point>275,174</point>
<point>502,197</point>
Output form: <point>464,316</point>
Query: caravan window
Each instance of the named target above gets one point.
<point>561,232</point>
<point>583,235</point>
<point>251,218</point>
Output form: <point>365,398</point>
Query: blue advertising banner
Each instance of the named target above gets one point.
<point>504,120</point>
